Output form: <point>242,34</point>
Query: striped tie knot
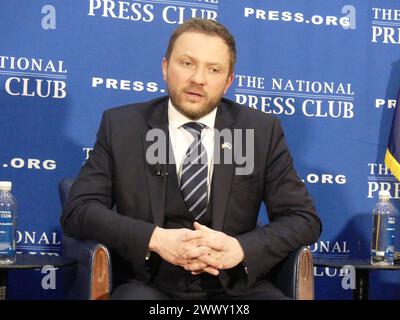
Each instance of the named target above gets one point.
<point>194,128</point>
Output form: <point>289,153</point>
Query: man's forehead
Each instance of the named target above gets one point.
<point>188,44</point>
<point>193,37</point>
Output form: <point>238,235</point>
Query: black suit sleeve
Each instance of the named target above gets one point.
<point>291,212</point>
<point>88,214</point>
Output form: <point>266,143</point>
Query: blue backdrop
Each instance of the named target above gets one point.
<point>328,70</point>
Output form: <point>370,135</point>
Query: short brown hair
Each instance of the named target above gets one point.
<point>209,27</point>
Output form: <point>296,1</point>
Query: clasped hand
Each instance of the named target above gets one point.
<point>199,250</point>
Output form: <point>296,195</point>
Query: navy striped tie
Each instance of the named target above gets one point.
<point>194,173</point>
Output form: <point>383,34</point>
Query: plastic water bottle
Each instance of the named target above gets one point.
<point>8,222</point>
<point>383,231</point>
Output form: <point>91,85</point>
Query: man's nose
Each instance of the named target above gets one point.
<point>198,76</point>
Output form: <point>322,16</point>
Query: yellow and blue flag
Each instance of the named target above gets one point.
<point>392,157</point>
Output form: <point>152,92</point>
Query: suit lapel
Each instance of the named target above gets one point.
<point>156,173</point>
<point>222,171</point>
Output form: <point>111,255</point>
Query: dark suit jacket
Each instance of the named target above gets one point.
<point>117,173</point>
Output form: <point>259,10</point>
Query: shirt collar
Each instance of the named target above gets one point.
<point>177,119</point>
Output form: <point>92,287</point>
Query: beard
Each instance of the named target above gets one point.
<point>193,111</point>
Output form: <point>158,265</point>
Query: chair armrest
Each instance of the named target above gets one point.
<point>294,276</point>
<point>91,277</point>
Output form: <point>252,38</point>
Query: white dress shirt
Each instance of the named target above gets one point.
<point>181,139</point>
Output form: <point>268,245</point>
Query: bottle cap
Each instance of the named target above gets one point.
<point>5,185</point>
<point>384,194</point>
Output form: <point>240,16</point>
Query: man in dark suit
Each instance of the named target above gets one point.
<point>186,227</point>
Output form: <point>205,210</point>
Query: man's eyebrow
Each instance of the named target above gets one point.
<point>186,55</point>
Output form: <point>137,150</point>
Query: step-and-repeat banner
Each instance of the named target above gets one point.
<point>329,70</point>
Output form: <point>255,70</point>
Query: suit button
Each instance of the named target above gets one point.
<point>192,280</point>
